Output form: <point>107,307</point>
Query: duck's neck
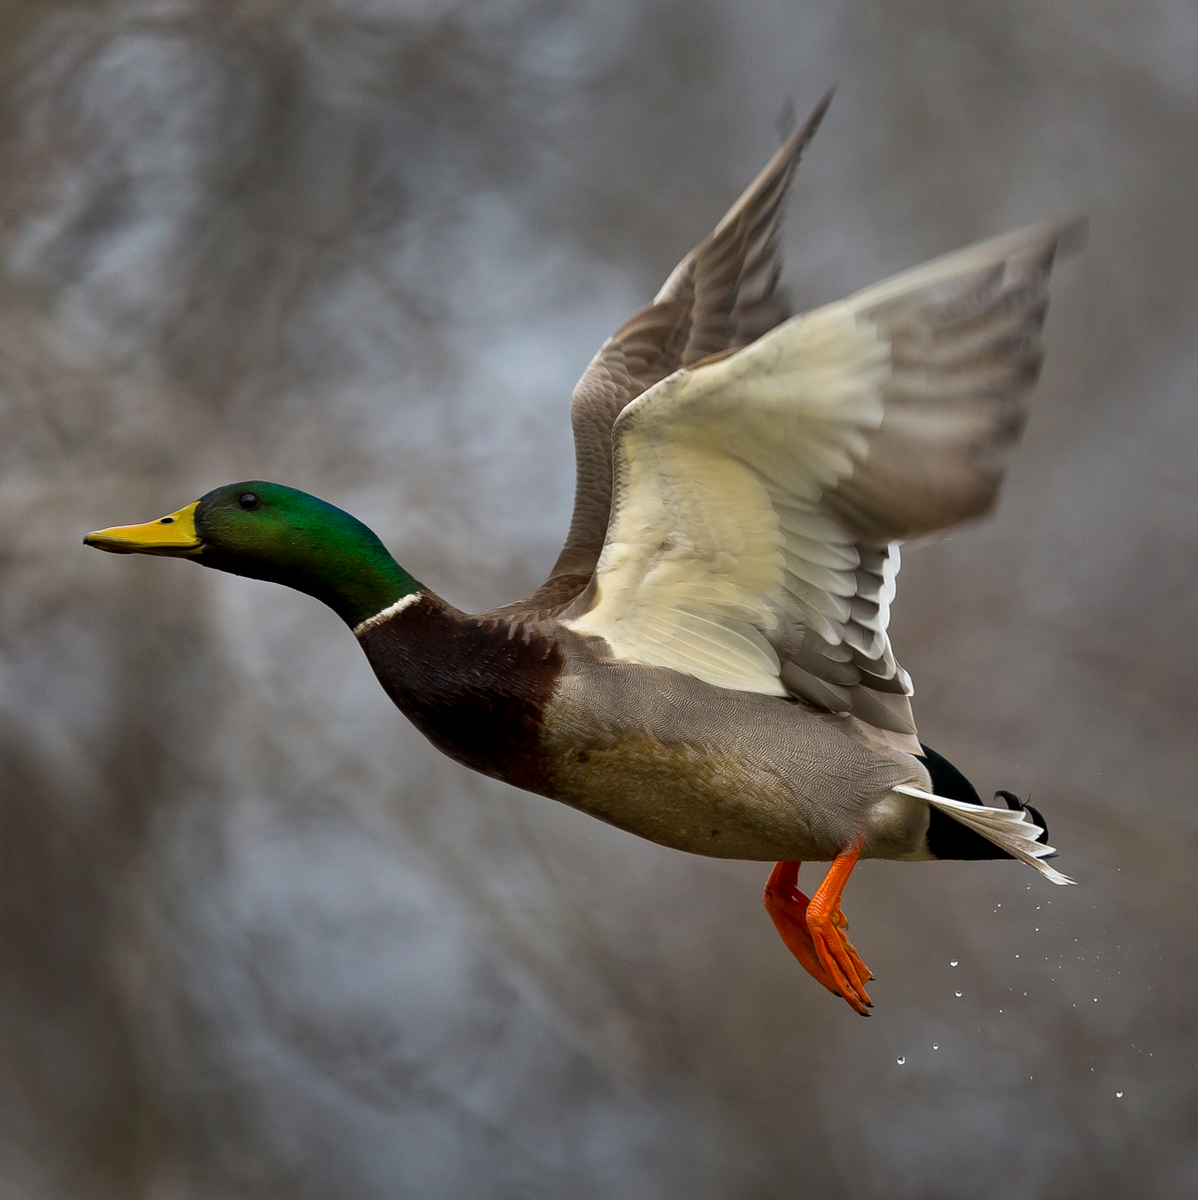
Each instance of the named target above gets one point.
<point>371,592</point>
<point>384,615</point>
<point>352,572</point>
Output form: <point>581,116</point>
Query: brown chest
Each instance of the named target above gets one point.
<point>475,687</point>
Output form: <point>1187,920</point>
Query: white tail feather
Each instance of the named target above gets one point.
<point>1010,830</point>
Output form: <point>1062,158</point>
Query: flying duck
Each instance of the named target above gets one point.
<point>708,664</point>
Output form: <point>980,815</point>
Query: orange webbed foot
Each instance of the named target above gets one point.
<point>841,924</point>
<point>815,930</point>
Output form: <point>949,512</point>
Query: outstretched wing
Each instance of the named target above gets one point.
<point>723,295</point>
<point>760,498</point>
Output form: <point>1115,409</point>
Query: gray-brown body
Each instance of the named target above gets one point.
<point>726,774</point>
<point>660,754</point>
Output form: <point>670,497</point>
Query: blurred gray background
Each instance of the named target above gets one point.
<point>256,938</point>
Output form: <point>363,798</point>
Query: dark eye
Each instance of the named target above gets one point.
<point>247,500</point>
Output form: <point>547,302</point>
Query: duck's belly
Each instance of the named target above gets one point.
<point>721,773</point>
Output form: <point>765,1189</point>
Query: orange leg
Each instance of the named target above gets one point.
<point>827,926</point>
<point>814,930</point>
<point>787,907</point>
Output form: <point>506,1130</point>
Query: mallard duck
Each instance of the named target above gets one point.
<point>708,664</point>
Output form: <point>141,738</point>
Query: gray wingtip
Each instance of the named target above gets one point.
<point>806,132</point>
<point>779,169</point>
<point>795,136</point>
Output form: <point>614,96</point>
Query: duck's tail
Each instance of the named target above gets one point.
<point>1012,829</point>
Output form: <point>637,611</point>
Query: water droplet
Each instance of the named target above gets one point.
<point>1118,1095</point>
<point>902,1058</point>
<point>936,1046</point>
<point>952,962</point>
<point>958,995</point>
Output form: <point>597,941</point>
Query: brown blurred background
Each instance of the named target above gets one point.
<point>256,938</point>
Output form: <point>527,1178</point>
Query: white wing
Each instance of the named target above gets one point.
<point>760,497</point>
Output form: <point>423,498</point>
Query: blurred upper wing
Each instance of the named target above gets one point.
<point>760,498</point>
<point>721,296</point>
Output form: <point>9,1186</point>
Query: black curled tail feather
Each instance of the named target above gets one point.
<point>1016,805</point>
<point>947,838</point>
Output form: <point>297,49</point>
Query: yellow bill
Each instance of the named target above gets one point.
<point>175,535</point>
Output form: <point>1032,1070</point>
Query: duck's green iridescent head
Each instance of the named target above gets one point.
<point>268,531</point>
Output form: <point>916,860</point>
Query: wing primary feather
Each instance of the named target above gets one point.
<point>722,295</point>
